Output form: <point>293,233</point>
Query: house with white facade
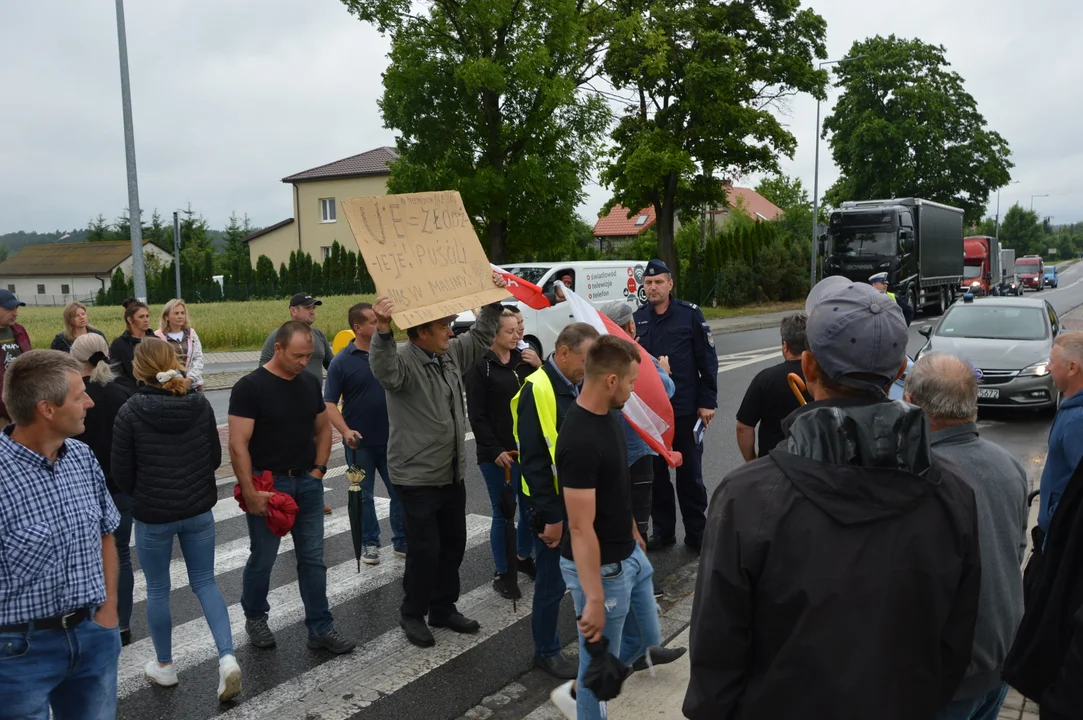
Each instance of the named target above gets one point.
<point>56,274</point>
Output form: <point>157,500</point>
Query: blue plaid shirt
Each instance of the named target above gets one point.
<point>52,519</point>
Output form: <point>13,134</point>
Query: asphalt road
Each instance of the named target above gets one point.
<point>385,678</point>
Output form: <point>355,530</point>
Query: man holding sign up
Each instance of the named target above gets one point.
<point>428,265</point>
<point>426,457</point>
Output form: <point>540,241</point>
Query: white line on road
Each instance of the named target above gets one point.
<point>192,641</point>
<point>338,689</point>
<point>232,555</point>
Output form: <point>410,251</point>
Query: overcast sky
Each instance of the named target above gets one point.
<point>230,96</point>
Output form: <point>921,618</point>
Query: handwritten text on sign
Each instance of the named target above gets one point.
<point>422,252</point>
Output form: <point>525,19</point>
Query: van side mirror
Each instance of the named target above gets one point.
<point>925,331</point>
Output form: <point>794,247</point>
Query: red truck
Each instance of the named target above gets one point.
<point>1031,272</point>
<point>981,258</point>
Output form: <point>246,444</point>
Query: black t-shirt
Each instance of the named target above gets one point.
<point>768,401</point>
<point>592,453</point>
<point>285,413</point>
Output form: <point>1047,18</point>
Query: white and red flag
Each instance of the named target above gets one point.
<point>648,410</point>
<point>523,290</point>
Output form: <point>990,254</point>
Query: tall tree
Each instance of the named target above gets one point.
<point>236,231</point>
<point>486,98</point>
<point>904,126</point>
<point>795,223</point>
<point>704,75</point>
<point>194,241</point>
<point>1021,231</point>
<point>97,229</point>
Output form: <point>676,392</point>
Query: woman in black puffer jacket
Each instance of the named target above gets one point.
<point>165,452</point>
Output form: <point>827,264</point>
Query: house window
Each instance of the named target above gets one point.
<point>41,289</point>
<point>641,220</point>
<point>65,289</point>
<point>325,253</point>
<point>327,210</point>
<point>11,289</point>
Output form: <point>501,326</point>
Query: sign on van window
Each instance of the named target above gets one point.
<point>617,283</point>
<point>423,253</point>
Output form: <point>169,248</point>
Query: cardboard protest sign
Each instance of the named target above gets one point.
<point>422,252</point>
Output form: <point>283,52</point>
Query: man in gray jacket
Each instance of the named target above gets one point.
<point>947,389</point>
<point>426,457</point>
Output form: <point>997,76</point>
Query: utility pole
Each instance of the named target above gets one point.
<point>176,250</point>
<point>139,276</point>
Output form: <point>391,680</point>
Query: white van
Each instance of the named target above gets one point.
<point>597,282</point>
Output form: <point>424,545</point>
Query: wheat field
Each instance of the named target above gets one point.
<point>222,326</point>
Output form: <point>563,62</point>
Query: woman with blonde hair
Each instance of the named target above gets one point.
<point>178,332</point>
<point>75,325</point>
<point>165,452</point>
<point>109,397</point>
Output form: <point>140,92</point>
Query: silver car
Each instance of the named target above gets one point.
<point>1008,339</point>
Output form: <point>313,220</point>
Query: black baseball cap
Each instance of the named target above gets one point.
<point>8,301</point>
<point>304,300</point>
<point>656,267</point>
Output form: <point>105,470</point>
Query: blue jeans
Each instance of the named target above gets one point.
<point>307,534</point>
<point>371,460</point>
<point>631,618</point>
<point>122,536</point>
<point>154,544</point>
<point>549,590</point>
<point>72,671</point>
<point>524,543</point>
<point>983,707</point>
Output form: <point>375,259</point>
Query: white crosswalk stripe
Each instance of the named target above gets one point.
<point>192,641</point>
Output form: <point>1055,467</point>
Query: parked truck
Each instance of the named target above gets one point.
<point>981,265</point>
<point>919,243</point>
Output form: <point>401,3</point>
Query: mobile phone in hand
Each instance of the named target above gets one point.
<point>698,430</point>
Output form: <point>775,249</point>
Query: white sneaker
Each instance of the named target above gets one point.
<point>562,698</point>
<point>164,676</point>
<point>229,678</point>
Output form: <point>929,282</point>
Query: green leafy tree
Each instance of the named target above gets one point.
<point>98,230</point>
<point>1021,231</point>
<point>785,192</point>
<point>905,126</point>
<point>704,76</point>
<point>486,100</point>
<point>236,254</point>
<point>987,226</point>
<point>194,239</point>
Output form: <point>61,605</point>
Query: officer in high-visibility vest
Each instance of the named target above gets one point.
<point>879,281</point>
<point>537,413</point>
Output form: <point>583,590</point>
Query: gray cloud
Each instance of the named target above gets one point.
<point>230,96</point>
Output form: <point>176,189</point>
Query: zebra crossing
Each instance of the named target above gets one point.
<point>291,681</point>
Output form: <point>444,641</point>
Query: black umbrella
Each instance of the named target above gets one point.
<point>353,507</point>
<point>507,508</point>
<point>606,673</point>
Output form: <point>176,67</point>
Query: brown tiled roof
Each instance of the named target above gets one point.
<point>373,162</point>
<point>618,224</point>
<point>756,206</point>
<point>85,258</point>
<point>263,231</point>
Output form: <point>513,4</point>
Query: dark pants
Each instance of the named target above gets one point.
<point>642,472</point>
<point>691,494</point>
<point>436,534</point>
<point>549,590</point>
<point>122,536</point>
<point>307,535</point>
<point>73,672</point>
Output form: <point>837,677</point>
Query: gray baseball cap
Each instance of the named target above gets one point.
<point>619,311</point>
<point>824,288</point>
<point>855,329</point>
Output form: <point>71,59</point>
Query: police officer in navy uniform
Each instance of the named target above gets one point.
<point>879,281</point>
<point>677,329</point>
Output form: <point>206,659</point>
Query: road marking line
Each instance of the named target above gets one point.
<point>338,689</point>
<point>193,643</point>
<point>234,554</point>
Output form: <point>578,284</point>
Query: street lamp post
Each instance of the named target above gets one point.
<point>816,179</point>
<point>136,219</point>
<point>996,223</point>
<point>1032,200</point>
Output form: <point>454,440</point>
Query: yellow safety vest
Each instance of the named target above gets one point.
<point>545,402</point>
<point>891,295</point>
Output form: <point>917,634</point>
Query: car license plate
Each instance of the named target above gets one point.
<point>991,393</point>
